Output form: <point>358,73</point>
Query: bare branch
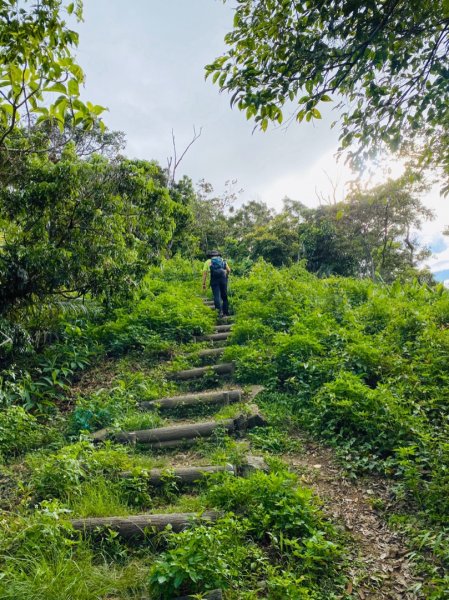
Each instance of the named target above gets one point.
<point>173,162</point>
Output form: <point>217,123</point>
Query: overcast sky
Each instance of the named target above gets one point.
<point>144,60</point>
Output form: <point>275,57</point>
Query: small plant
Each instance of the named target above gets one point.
<point>19,431</point>
<point>203,558</point>
<point>274,440</point>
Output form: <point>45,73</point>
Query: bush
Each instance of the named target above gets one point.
<point>168,313</point>
<point>19,431</point>
<point>203,558</point>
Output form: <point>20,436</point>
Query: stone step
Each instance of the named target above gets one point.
<point>135,526</point>
<point>198,372</point>
<point>182,475</point>
<point>187,400</point>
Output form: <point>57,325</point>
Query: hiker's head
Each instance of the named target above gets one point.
<point>213,253</point>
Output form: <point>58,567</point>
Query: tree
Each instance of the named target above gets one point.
<point>277,242</point>
<point>39,78</point>
<point>371,234</point>
<point>241,223</point>
<point>383,221</point>
<point>385,61</point>
<point>210,214</point>
<point>78,227</point>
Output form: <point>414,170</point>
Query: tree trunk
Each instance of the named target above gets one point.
<point>170,437</point>
<point>134,526</point>
<point>221,369</point>
<point>207,352</point>
<point>223,328</point>
<point>224,396</point>
<point>214,337</point>
<point>183,475</point>
<point>176,432</point>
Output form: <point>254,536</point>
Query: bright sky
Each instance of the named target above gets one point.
<point>145,60</point>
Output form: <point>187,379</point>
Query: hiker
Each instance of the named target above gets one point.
<point>219,271</point>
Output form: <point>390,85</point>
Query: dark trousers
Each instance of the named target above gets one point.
<point>220,291</point>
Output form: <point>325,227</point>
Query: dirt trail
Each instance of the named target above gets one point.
<point>380,569</point>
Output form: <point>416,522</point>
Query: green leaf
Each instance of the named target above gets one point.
<point>56,87</point>
<point>73,87</point>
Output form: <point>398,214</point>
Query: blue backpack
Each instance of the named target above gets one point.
<point>217,267</point>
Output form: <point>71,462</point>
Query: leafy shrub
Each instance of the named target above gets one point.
<point>270,502</point>
<point>253,363</point>
<point>60,474</point>
<point>101,409</point>
<point>167,315</point>
<point>272,439</point>
<point>203,558</point>
<point>118,406</point>
<point>368,372</point>
<point>19,431</point>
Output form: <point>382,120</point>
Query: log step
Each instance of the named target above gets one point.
<point>182,475</point>
<point>134,526</point>
<point>174,432</point>
<point>221,369</point>
<point>226,319</point>
<point>214,337</point>
<point>173,436</point>
<point>208,352</point>
<point>222,328</point>
<point>223,396</point>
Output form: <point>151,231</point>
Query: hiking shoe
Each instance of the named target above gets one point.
<point>220,314</point>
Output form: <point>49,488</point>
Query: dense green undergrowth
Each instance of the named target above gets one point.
<point>271,539</point>
<point>360,365</point>
<point>366,368</point>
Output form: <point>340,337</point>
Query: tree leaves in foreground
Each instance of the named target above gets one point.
<point>39,78</point>
<point>388,59</point>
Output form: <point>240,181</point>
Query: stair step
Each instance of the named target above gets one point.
<point>222,396</point>
<point>223,328</point>
<point>214,337</point>
<point>174,432</point>
<point>225,320</point>
<point>220,369</point>
<point>208,352</point>
<point>182,475</point>
<point>175,435</point>
<point>135,526</point>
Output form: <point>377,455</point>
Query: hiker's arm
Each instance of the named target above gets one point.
<point>204,279</point>
<point>228,269</point>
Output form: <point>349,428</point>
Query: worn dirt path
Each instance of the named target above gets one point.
<point>380,568</point>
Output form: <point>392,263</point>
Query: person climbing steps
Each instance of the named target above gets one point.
<point>219,270</point>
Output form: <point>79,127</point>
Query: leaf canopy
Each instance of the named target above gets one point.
<point>384,62</point>
<point>36,47</point>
